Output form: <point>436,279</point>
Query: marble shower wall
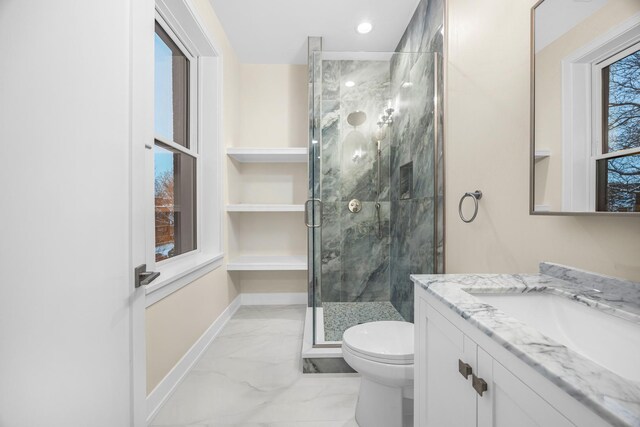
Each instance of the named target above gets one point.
<point>416,140</point>
<point>355,260</point>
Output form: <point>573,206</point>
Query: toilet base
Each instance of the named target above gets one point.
<point>383,406</point>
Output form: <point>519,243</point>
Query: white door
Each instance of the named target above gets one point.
<point>69,314</point>
<point>509,402</point>
<point>450,399</point>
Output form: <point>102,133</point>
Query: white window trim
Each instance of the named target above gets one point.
<point>579,113</point>
<point>180,18</point>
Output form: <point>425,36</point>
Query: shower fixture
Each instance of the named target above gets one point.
<point>386,116</point>
<point>355,144</point>
<point>378,135</point>
<point>356,118</point>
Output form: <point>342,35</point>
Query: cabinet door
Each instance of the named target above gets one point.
<point>450,399</point>
<point>509,402</point>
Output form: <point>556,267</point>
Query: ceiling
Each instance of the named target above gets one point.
<point>276,31</point>
<point>554,18</point>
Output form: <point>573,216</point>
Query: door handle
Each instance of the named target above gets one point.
<point>478,384</point>
<point>464,369</point>
<point>306,213</point>
<point>144,277</point>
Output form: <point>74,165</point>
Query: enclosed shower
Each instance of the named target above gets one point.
<point>375,188</point>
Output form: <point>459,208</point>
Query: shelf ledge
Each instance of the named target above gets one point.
<point>250,207</point>
<point>542,208</point>
<point>267,263</point>
<point>269,155</point>
<point>542,154</point>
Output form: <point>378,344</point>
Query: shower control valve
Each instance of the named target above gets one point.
<point>355,206</point>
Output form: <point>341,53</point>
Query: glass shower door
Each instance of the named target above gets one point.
<point>372,186</point>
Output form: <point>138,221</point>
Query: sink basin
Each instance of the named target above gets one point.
<point>609,341</point>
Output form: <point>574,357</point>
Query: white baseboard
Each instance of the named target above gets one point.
<point>276,298</point>
<point>163,391</point>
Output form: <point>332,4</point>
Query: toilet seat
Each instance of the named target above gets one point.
<point>389,342</point>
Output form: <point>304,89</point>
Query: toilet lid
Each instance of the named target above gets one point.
<point>387,340</point>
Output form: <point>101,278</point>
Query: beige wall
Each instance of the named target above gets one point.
<point>175,323</point>
<point>487,147</point>
<point>549,93</point>
<point>273,109</point>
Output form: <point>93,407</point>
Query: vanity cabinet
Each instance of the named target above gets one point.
<point>459,384</point>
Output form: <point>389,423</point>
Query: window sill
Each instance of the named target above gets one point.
<point>179,274</point>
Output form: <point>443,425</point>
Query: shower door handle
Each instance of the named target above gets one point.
<point>306,212</point>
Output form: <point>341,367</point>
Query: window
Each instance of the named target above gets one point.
<point>175,149</point>
<point>184,192</point>
<point>617,151</point>
<point>601,122</point>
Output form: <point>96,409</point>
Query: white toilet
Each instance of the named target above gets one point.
<point>382,352</point>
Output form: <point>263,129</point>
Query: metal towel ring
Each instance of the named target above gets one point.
<point>476,195</point>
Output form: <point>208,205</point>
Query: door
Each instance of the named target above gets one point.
<point>67,317</point>
<point>509,402</point>
<point>450,399</point>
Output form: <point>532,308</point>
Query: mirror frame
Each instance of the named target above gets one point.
<point>532,148</point>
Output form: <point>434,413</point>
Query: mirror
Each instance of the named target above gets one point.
<point>585,57</point>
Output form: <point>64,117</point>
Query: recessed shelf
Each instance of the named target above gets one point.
<point>247,207</point>
<point>267,263</point>
<point>542,154</point>
<point>269,155</point>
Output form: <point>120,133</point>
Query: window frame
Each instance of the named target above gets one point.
<point>599,116</point>
<point>178,19</point>
<point>192,135</point>
<point>582,127</point>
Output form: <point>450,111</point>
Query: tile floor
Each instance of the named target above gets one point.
<point>251,376</point>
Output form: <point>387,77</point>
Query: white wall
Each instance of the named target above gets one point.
<point>487,147</point>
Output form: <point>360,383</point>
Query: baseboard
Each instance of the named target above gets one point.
<point>276,298</point>
<point>163,391</point>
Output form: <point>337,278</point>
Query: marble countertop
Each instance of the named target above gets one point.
<point>615,399</point>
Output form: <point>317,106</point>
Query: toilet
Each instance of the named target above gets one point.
<point>382,353</point>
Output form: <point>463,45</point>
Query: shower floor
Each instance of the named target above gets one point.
<point>340,316</point>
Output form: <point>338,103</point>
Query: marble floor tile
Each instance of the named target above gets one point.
<point>251,375</point>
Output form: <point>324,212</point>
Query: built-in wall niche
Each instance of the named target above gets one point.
<point>267,188</point>
<point>262,183</point>
<point>406,181</point>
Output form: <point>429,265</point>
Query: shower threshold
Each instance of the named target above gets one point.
<point>332,319</point>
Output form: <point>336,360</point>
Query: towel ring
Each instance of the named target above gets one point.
<point>476,195</point>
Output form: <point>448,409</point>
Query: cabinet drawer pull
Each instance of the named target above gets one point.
<point>464,369</point>
<point>479,385</point>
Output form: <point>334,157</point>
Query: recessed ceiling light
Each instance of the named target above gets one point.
<point>364,27</point>
<point>350,84</point>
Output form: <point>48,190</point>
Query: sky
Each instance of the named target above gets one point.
<point>163,117</point>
